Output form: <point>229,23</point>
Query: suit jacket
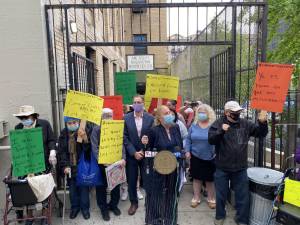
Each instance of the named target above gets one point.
<point>132,141</point>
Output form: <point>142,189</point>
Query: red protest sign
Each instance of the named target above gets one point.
<point>116,104</point>
<point>179,103</point>
<point>271,86</point>
<point>153,104</point>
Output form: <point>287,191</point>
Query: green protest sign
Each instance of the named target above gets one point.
<point>27,151</point>
<point>125,85</point>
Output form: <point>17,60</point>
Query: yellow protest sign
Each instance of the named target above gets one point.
<point>292,192</point>
<point>111,141</point>
<point>161,86</point>
<point>83,106</point>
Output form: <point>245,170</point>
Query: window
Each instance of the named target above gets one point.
<point>140,50</point>
<point>139,10</point>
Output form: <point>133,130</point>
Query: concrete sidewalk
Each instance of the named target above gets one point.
<point>202,215</point>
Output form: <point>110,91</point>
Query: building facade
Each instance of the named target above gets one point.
<point>142,25</point>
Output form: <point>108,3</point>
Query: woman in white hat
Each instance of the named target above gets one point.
<point>30,119</point>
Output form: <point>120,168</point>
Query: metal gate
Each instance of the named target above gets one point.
<point>97,26</point>
<point>83,76</point>
<point>222,80</point>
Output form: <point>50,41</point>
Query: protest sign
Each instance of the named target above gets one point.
<point>111,141</point>
<point>271,86</point>
<point>27,151</point>
<point>292,192</point>
<point>125,85</point>
<point>115,175</point>
<point>83,106</point>
<point>164,101</point>
<point>161,86</point>
<point>116,104</point>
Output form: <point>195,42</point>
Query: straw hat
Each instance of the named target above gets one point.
<point>25,110</point>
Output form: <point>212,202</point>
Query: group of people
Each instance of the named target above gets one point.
<point>215,148</point>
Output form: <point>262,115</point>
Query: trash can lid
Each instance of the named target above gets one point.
<point>264,176</point>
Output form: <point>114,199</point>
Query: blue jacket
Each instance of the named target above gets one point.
<point>132,141</point>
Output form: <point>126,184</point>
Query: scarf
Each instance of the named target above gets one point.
<point>72,149</point>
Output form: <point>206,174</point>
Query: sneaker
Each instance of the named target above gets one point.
<point>139,194</point>
<point>219,222</point>
<point>105,215</point>
<point>124,195</point>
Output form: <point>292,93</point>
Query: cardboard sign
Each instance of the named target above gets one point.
<point>292,192</point>
<point>116,104</point>
<point>125,85</point>
<point>271,86</point>
<point>27,151</point>
<point>111,141</point>
<point>161,86</point>
<point>83,106</point>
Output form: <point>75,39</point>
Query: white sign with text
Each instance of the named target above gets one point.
<point>140,62</point>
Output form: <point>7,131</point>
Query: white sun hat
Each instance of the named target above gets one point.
<point>25,110</point>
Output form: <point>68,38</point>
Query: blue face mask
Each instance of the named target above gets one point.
<point>202,117</point>
<point>73,128</point>
<point>169,119</point>
<point>27,122</point>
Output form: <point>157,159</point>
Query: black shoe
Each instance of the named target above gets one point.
<point>19,215</point>
<point>105,215</point>
<point>44,222</point>
<point>74,213</point>
<point>86,215</point>
<point>29,222</point>
<point>116,211</point>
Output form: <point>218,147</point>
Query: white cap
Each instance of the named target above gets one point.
<point>107,111</point>
<point>233,106</point>
<point>25,110</point>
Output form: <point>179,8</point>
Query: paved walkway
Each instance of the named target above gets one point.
<point>202,215</point>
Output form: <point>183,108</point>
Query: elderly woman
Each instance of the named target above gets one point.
<point>29,119</point>
<point>202,155</point>
<point>69,151</point>
<point>101,193</point>
<point>162,190</point>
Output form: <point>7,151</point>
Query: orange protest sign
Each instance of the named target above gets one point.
<point>271,86</point>
<point>116,104</point>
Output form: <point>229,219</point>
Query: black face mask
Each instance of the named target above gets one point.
<point>234,116</point>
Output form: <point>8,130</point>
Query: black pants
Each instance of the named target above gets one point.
<point>101,194</point>
<point>133,167</point>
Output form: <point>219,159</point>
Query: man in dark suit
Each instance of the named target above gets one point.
<point>137,124</point>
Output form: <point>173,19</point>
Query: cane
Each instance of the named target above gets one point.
<point>65,190</point>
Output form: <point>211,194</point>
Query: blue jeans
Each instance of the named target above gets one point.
<point>240,185</point>
<point>79,196</point>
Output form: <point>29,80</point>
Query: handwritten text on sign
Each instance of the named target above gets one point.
<point>160,86</point>
<point>271,86</point>
<point>27,151</point>
<point>291,192</point>
<point>111,141</point>
<point>84,106</point>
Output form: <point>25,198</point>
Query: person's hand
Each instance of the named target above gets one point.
<point>139,155</point>
<point>52,158</point>
<point>67,170</point>
<point>225,127</point>
<point>263,116</point>
<point>82,134</point>
<point>145,140</point>
<point>188,155</point>
<point>123,162</point>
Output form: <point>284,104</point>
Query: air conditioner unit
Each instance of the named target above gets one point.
<point>3,129</point>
